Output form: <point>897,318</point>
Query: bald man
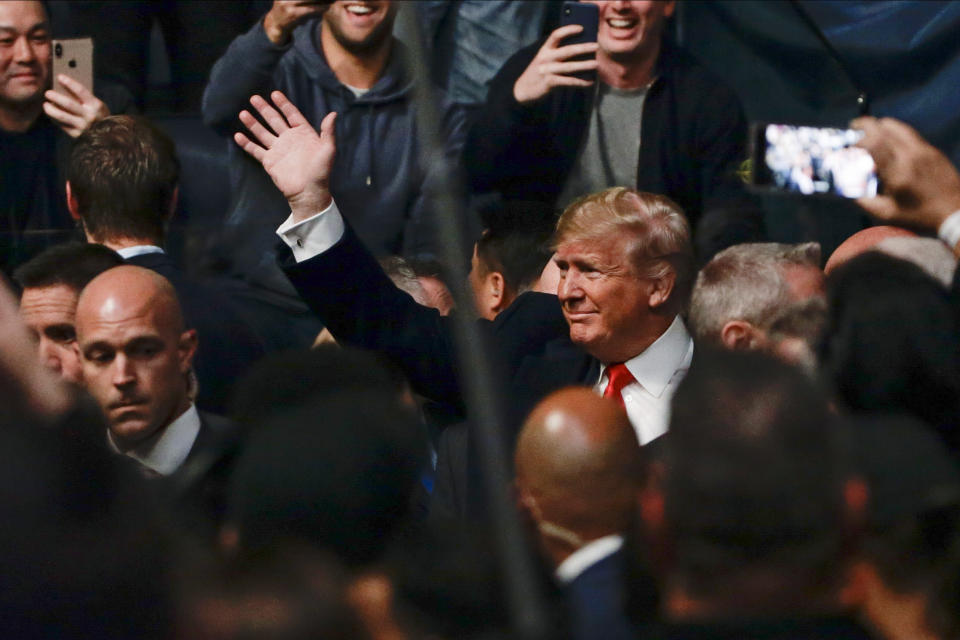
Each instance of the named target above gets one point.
<point>136,356</point>
<point>579,470</point>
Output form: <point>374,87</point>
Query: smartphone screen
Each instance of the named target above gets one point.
<point>73,58</point>
<point>811,161</point>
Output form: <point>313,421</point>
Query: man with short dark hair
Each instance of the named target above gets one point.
<point>752,519</point>
<point>36,125</point>
<point>122,186</point>
<point>510,255</point>
<point>51,283</point>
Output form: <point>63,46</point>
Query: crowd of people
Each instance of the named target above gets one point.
<point>707,434</point>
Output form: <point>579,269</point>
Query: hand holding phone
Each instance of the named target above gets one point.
<point>810,160</point>
<point>556,64</point>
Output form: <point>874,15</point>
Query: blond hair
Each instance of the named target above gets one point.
<point>660,231</point>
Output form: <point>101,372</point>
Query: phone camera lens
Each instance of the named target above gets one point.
<point>58,50</point>
<point>72,64</point>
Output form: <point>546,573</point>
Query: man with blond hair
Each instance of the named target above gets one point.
<point>625,263</point>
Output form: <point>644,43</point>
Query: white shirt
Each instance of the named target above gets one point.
<point>128,252</point>
<point>657,372</point>
<point>167,449</point>
<point>587,556</point>
<point>313,236</point>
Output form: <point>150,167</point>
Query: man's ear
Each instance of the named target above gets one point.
<point>72,205</point>
<point>661,289</point>
<point>496,291</point>
<point>740,335</point>
<point>187,348</point>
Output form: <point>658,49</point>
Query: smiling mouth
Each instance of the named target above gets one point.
<point>359,9</point>
<point>621,23</point>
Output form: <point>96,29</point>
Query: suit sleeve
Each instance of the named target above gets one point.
<point>346,288</point>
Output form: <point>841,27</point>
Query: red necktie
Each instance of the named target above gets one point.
<point>618,377</point>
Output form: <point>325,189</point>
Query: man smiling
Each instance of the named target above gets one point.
<point>637,112</point>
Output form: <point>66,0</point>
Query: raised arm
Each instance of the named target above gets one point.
<point>337,277</point>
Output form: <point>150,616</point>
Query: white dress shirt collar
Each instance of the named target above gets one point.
<point>166,450</point>
<point>655,366</point>
<point>128,252</point>
<point>587,556</point>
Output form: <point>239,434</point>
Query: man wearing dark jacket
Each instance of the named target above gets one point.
<point>341,59</point>
<point>546,133</point>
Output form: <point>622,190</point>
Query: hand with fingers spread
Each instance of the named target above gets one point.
<point>284,15</point>
<point>75,110</point>
<point>552,66</point>
<point>920,185</point>
<point>294,155</point>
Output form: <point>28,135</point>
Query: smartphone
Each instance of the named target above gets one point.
<point>811,161</point>
<point>73,58</point>
<point>587,16</point>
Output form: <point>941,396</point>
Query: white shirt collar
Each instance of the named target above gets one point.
<point>654,367</point>
<point>587,556</point>
<point>128,252</point>
<point>166,450</point>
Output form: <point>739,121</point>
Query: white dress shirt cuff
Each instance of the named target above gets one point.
<point>313,236</point>
<point>949,230</point>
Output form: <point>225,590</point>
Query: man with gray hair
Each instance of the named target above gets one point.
<point>747,289</point>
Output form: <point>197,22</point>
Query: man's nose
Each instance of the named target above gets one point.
<point>23,50</point>
<point>123,371</point>
<point>49,355</point>
<point>569,286</point>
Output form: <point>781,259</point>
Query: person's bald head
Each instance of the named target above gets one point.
<point>579,464</point>
<point>134,350</point>
<point>861,241</point>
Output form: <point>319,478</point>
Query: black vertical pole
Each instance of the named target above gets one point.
<point>484,406</point>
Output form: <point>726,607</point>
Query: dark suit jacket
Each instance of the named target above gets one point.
<point>595,600</point>
<point>197,490</point>
<point>529,342</point>
<point>358,303</point>
<point>227,344</point>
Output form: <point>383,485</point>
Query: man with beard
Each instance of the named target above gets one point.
<point>329,57</point>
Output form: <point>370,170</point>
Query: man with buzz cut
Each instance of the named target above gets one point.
<point>637,112</point>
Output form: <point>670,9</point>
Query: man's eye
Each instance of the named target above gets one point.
<point>100,357</point>
<point>6,42</point>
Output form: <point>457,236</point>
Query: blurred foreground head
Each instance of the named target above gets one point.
<point>337,472</point>
<point>750,518</point>
<point>892,343</point>
<point>579,469</point>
